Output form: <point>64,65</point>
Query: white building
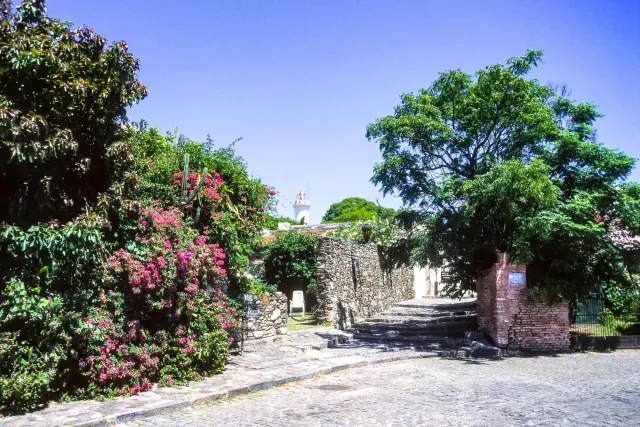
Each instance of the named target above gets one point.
<point>301,208</point>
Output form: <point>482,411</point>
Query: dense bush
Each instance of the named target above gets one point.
<point>63,97</point>
<point>76,321</point>
<point>238,209</point>
<point>384,232</point>
<point>49,276</point>
<point>161,315</point>
<point>108,280</point>
<point>292,256</point>
<point>354,209</point>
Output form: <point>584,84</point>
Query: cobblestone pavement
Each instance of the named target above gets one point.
<point>576,389</point>
<point>265,363</point>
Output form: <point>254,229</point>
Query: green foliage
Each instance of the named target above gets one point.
<point>385,233</point>
<point>110,244</point>
<point>60,258</point>
<point>353,209</point>
<point>394,247</point>
<point>36,346</point>
<point>49,275</point>
<point>273,221</point>
<point>259,288</point>
<point>63,97</point>
<point>292,256</point>
<point>233,217</point>
<point>498,162</point>
<point>161,316</point>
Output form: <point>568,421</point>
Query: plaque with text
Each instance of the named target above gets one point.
<point>253,312</point>
<point>517,279</point>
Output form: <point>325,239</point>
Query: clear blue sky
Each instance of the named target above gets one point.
<point>300,80</point>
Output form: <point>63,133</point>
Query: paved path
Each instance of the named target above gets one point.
<point>576,389</point>
<point>265,363</point>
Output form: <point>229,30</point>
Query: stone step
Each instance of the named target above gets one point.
<point>478,352</point>
<point>393,318</point>
<point>457,331</point>
<point>441,341</point>
<point>448,347</point>
<point>408,335</point>
<point>420,322</point>
<point>427,315</point>
<point>438,305</point>
<point>417,312</point>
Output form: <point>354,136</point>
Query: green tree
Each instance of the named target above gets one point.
<point>63,98</point>
<point>273,221</point>
<point>292,256</point>
<point>497,162</point>
<point>354,209</point>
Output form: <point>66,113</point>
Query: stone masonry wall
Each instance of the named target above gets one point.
<point>352,284</point>
<point>513,319</point>
<point>265,318</point>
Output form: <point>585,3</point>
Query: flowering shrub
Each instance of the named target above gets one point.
<point>162,316</point>
<point>233,224</point>
<point>234,207</point>
<point>98,295</point>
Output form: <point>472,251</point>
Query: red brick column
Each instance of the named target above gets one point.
<point>512,319</point>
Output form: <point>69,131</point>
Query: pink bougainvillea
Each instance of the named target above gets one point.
<point>163,310</point>
<point>210,188</point>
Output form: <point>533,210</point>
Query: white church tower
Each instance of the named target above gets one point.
<point>301,208</point>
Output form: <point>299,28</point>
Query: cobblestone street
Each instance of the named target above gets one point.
<point>579,389</point>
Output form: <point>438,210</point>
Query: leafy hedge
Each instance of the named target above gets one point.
<point>292,256</point>
<point>110,280</point>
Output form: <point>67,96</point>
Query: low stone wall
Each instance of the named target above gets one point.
<point>508,314</point>
<point>267,317</point>
<point>352,284</point>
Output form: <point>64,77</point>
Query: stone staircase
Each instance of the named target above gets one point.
<point>447,326</point>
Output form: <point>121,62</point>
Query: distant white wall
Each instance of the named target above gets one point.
<point>420,281</point>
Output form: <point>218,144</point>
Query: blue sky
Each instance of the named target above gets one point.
<point>301,80</point>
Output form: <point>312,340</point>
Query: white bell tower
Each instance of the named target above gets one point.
<point>301,208</point>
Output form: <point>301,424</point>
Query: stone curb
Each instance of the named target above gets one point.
<point>221,395</point>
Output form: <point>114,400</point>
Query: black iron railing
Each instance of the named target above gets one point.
<point>590,317</point>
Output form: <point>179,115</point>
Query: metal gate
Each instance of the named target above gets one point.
<point>590,317</point>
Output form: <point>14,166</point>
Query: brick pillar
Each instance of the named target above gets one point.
<point>512,319</point>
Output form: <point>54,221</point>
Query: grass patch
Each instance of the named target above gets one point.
<point>610,328</point>
<point>303,323</point>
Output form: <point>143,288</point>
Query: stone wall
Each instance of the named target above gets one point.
<point>512,318</point>
<point>266,317</point>
<point>352,284</point>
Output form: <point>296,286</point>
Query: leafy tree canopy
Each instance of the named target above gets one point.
<point>354,209</point>
<point>58,126</point>
<point>273,221</point>
<point>292,256</point>
<point>497,162</point>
